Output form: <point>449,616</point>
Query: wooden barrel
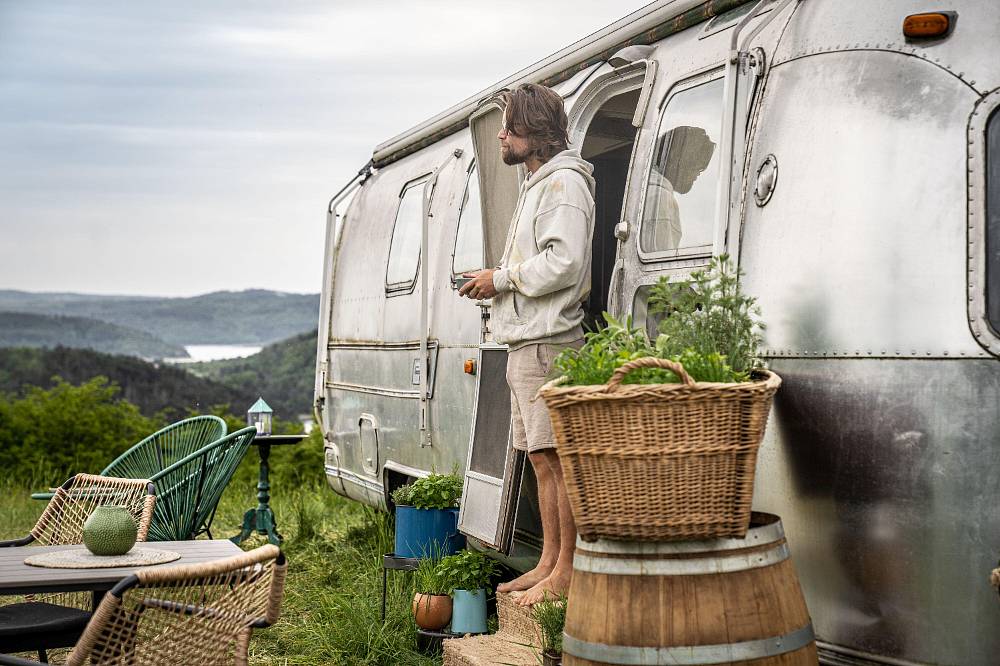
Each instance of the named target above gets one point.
<point>719,601</point>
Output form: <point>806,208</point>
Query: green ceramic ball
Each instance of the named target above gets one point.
<point>110,530</point>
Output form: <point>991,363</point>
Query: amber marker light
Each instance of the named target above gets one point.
<point>925,26</point>
<point>470,366</point>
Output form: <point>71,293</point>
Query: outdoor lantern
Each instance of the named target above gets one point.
<point>259,416</point>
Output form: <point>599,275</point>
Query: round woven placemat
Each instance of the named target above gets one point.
<point>81,558</point>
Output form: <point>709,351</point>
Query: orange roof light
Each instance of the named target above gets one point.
<point>470,366</point>
<point>927,26</point>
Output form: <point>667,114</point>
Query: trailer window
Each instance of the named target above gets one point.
<point>679,206</point>
<point>993,221</point>
<point>404,251</point>
<point>469,241</point>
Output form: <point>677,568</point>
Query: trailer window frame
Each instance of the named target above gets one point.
<point>716,75</point>
<point>403,287</point>
<point>983,196</point>
<point>991,246</point>
<point>471,178</point>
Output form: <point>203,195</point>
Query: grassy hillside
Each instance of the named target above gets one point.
<point>21,329</point>
<point>225,317</point>
<point>153,388</point>
<point>282,373</point>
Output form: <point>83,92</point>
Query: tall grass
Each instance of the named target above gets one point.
<point>332,604</point>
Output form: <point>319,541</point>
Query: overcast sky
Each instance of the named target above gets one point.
<point>176,148</point>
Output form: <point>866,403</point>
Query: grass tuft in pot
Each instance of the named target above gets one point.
<point>432,605</point>
<point>551,617</point>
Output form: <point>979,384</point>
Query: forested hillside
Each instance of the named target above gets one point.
<point>282,373</point>
<point>152,388</point>
<point>21,329</point>
<point>224,317</point>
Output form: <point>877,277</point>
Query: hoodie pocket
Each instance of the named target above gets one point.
<point>517,308</point>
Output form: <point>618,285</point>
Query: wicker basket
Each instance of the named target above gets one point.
<point>660,462</point>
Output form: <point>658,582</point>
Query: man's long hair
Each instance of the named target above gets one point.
<point>537,112</point>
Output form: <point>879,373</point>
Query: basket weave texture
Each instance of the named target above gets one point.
<point>660,462</point>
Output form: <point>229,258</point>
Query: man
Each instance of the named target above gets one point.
<point>537,292</point>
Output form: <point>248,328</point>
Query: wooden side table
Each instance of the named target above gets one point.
<point>262,519</point>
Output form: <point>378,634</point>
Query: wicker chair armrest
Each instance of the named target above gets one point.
<point>23,541</point>
<point>179,608</point>
<point>16,661</point>
<point>43,496</point>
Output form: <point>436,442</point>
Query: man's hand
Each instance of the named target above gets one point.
<point>480,286</point>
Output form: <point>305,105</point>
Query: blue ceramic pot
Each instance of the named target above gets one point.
<point>468,612</point>
<point>427,532</point>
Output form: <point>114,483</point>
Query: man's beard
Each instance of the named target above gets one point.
<point>510,158</point>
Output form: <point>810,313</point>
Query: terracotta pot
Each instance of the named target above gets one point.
<point>431,611</point>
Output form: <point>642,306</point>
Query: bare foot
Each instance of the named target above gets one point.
<point>527,580</point>
<point>556,585</point>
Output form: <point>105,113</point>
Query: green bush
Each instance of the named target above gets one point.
<point>467,570</point>
<point>67,429</point>
<point>437,491</point>
<point>403,496</point>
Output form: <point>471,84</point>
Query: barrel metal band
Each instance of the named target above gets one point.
<point>689,654</point>
<point>681,567</point>
<point>756,536</point>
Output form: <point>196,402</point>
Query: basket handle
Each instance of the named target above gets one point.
<point>649,362</point>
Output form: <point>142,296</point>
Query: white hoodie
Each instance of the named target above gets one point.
<point>544,274</point>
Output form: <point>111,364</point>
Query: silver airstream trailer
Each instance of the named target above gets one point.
<point>853,169</point>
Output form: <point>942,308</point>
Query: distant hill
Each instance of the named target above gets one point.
<point>254,316</point>
<point>282,373</point>
<point>153,388</point>
<point>21,329</point>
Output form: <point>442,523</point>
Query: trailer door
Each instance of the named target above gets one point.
<point>493,470</point>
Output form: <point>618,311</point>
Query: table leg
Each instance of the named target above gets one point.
<point>261,519</point>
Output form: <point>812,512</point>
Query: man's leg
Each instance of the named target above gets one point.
<point>557,582</point>
<point>549,510</point>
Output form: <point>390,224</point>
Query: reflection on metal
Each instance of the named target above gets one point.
<point>354,479</point>
<point>689,654</point>
<point>767,179</point>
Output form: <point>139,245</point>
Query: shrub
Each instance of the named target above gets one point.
<point>467,570</point>
<point>437,491</point>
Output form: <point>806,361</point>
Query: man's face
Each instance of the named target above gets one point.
<point>514,149</point>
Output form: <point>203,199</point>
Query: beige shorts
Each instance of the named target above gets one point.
<point>528,368</point>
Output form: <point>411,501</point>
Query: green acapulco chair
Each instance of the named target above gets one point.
<point>188,492</point>
<point>161,449</point>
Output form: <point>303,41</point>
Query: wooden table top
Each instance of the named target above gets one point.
<point>16,577</point>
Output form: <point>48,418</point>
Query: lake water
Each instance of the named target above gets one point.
<point>215,352</point>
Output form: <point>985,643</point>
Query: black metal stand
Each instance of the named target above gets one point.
<point>429,642</point>
<point>390,561</point>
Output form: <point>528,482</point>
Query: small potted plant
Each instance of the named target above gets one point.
<point>432,605</point>
<point>551,617</point>
<point>427,516</point>
<point>467,575</point>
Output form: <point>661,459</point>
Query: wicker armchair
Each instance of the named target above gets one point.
<point>37,624</point>
<point>187,614</point>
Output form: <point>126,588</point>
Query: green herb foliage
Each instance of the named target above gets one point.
<point>551,617</point>
<point>467,570</point>
<point>427,579</point>
<point>437,491</point>
<point>707,313</point>
<point>402,496</point>
<point>608,349</point>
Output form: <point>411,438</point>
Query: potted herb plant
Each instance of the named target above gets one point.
<point>432,605</point>
<point>467,575</point>
<point>427,516</point>
<point>551,617</point>
<point>672,425</point>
